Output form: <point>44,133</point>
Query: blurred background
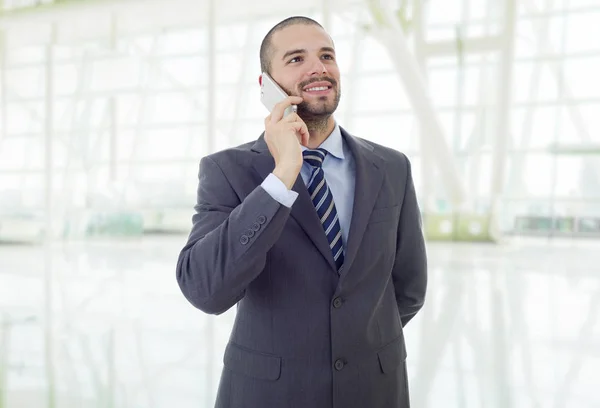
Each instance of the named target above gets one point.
<point>106,108</point>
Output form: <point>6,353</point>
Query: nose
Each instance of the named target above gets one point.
<point>317,67</point>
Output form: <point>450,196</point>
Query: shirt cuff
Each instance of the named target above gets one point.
<point>276,189</point>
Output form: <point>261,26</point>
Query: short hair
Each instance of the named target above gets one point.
<point>266,48</point>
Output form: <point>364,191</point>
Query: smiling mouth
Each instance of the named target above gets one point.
<point>321,89</point>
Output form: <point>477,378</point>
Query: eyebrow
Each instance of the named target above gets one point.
<point>303,51</point>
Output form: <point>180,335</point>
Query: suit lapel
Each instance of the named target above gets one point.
<point>305,214</point>
<point>303,210</point>
<point>369,176</point>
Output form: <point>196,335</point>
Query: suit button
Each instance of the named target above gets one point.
<point>261,219</point>
<point>244,240</point>
<point>339,365</point>
<point>337,303</point>
<point>255,227</point>
<point>249,233</point>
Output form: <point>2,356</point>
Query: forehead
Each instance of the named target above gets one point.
<point>300,36</point>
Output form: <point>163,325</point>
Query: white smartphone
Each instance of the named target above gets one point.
<point>271,94</point>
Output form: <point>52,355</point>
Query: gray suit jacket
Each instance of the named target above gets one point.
<point>305,336</point>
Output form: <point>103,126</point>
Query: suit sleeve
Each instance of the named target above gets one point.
<point>229,241</point>
<point>410,268</point>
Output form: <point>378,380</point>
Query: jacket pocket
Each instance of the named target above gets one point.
<point>252,363</point>
<point>392,355</point>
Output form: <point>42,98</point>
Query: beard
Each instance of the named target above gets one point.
<point>317,112</point>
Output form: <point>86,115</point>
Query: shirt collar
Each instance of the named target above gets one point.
<point>333,144</point>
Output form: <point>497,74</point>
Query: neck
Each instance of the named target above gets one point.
<point>319,130</point>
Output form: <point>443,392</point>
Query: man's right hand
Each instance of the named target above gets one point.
<point>284,137</point>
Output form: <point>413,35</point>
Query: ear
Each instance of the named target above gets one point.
<point>260,79</point>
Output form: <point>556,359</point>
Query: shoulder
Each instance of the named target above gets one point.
<point>394,163</point>
<point>386,152</point>
<point>389,156</point>
<point>238,155</point>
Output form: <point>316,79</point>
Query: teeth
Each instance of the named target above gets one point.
<point>321,88</point>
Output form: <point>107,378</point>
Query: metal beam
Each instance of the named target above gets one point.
<point>469,46</point>
<point>389,32</point>
<point>170,12</point>
<point>51,9</point>
<point>579,149</point>
<point>566,96</point>
<point>516,181</point>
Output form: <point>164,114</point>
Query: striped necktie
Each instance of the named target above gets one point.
<point>321,196</point>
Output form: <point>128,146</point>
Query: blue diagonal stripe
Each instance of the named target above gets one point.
<point>323,202</point>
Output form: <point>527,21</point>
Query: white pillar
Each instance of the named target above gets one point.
<point>211,135</point>
<point>326,22</point>
<point>112,110</point>
<point>112,146</point>
<point>4,84</point>
<point>239,102</point>
<point>427,159</point>
<point>49,206</point>
<point>212,85</point>
<point>500,151</point>
<point>350,83</point>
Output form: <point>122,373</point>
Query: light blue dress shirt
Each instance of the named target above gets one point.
<point>340,175</point>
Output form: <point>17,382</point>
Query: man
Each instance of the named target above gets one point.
<point>316,236</point>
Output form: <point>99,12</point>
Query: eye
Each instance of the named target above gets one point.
<point>328,56</point>
<point>295,59</point>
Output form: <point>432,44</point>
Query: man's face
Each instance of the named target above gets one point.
<point>304,64</point>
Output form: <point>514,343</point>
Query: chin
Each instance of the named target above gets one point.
<point>321,110</point>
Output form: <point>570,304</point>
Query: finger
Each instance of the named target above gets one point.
<point>292,117</point>
<point>302,132</point>
<point>279,109</point>
<point>305,135</point>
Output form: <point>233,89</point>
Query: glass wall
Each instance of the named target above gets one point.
<point>104,117</point>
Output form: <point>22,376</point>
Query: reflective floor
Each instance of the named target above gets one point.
<point>103,324</point>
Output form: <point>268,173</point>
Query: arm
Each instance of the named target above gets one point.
<point>217,264</point>
<point>410,268</point>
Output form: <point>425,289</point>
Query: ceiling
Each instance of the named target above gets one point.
<point>77,20</point>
